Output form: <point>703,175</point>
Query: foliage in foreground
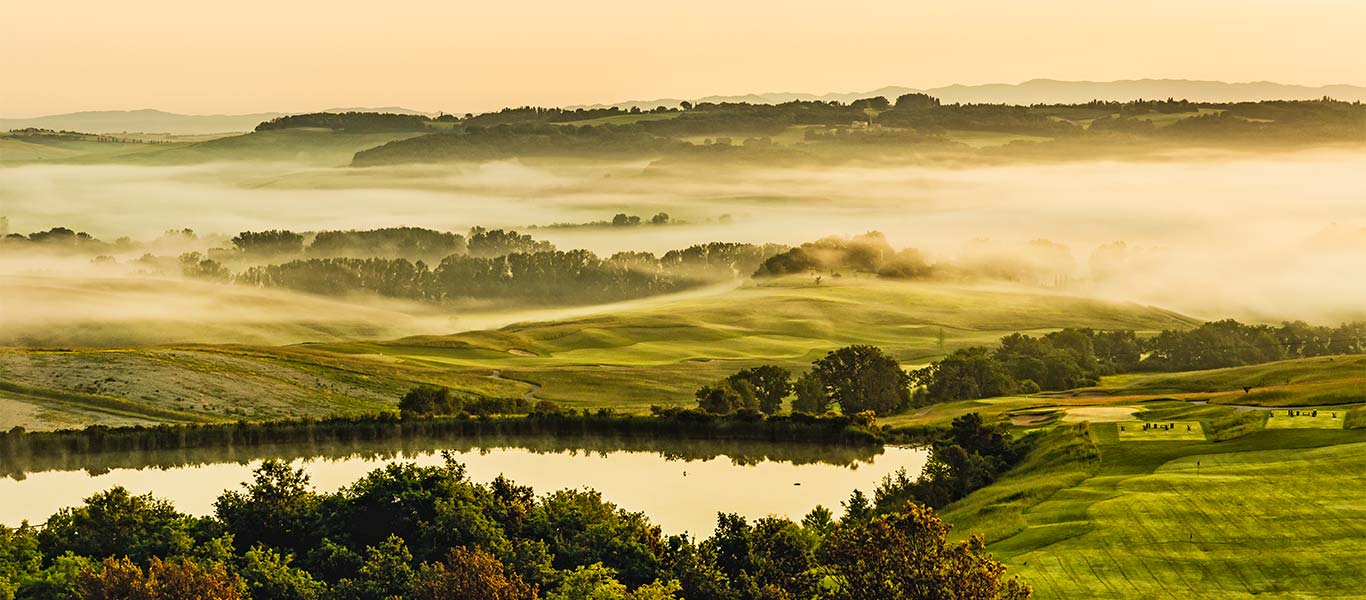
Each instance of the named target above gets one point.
<point>406,531</point>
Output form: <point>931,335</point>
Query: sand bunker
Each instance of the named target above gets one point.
<point>1099,414</point>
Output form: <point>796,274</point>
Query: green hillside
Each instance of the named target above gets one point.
<point>627,359</point>
<point>1275,513</point>
<point>630,359</point>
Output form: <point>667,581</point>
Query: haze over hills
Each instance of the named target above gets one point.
<point>1047,91</point>
<point>1035,91</point>
<point>150,120</point>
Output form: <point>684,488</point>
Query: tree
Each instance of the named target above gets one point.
<point>428,400</point>
<point>278,508</point>
<point>20,558</point>
<point>968,374</point>
<point>724,397</point>
<point>857,507</point>
<point>469,575</point>
<point>916,101</point>
<point>596,582</point>
<point>771,385</point>
<point>117,523</point>
<point>269,243</point>
<point>661,218</point>
<point>268,575</point>
<point>386,573</point>
<point>812,397</point>
<point>905,556</point>
<point>121,579</point>
<point>863,378</point>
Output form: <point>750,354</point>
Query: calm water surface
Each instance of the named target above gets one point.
<point>679,485</point>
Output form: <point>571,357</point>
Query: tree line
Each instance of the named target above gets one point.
<point>1073,358</point>
<point>430,532</point>
<point>351,122</point>
<point>540,275</point>
<point>414,243</point>
<point>863,381</point>
<point>913,120</point>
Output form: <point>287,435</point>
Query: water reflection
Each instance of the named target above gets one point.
<point>680,484</point>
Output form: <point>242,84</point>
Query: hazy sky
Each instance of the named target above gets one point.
<point>458,56</point>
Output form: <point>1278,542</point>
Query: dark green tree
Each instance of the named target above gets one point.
<point>771,385</point>
<point>811,396</point>
<point>863,378</point>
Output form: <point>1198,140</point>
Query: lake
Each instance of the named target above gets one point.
<point>679,484</point>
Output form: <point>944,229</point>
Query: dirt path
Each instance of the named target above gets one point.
<point>530,394</point>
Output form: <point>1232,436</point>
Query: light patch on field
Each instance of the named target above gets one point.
<point>1100,414</point>
<point>1332,418</point>
<point>18,413</point>
<point>1132,431</point>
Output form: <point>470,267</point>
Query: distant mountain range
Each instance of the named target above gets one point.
<point>150,120</point>
<point>1048,91</point>
<point>1030,92</point>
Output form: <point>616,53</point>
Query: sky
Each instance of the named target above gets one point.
<point>461,56</point>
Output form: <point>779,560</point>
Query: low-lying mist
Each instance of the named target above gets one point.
<point>1266,237</point>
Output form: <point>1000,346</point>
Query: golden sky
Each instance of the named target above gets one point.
<point>458,56</point>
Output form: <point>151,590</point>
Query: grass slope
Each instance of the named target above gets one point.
<point>211,383</point>
<point>1091,513</point>
<point>1320,381</point>
<point>644,354</point>
<point>658,355</point>
<point>302,145</point>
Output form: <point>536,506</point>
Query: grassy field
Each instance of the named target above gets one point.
<point>303,146</point>
<point>1275,513</point>
<point>631,359</point>
<point>987,139</point>
<point>18,149</point>
<point>1250,501</point>
<point>1318,381</point>
<point>60,388</point>
<point>628,359</point>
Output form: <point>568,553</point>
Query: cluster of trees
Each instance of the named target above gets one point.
<point>926,114</point>
<point>619,220</point>
<point>860,380</point>
<point>407,531</point>
<point>1228,343</point>
<point>432,401</point>
<point>1026,364</point>
<point>352,122</point>
<point>58,238</point>
<point>912,120</point>
<point>498,266</point>
<point>867,253</point>
<point>970,456</point>
<point>1073,358</point>
<point>537,114</point>
<point>413,243</point>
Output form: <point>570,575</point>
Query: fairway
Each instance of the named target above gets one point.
<point>1288,523</point>
<point>1275,513</point>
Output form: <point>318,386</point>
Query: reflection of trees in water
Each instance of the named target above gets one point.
<point>739,452</point>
